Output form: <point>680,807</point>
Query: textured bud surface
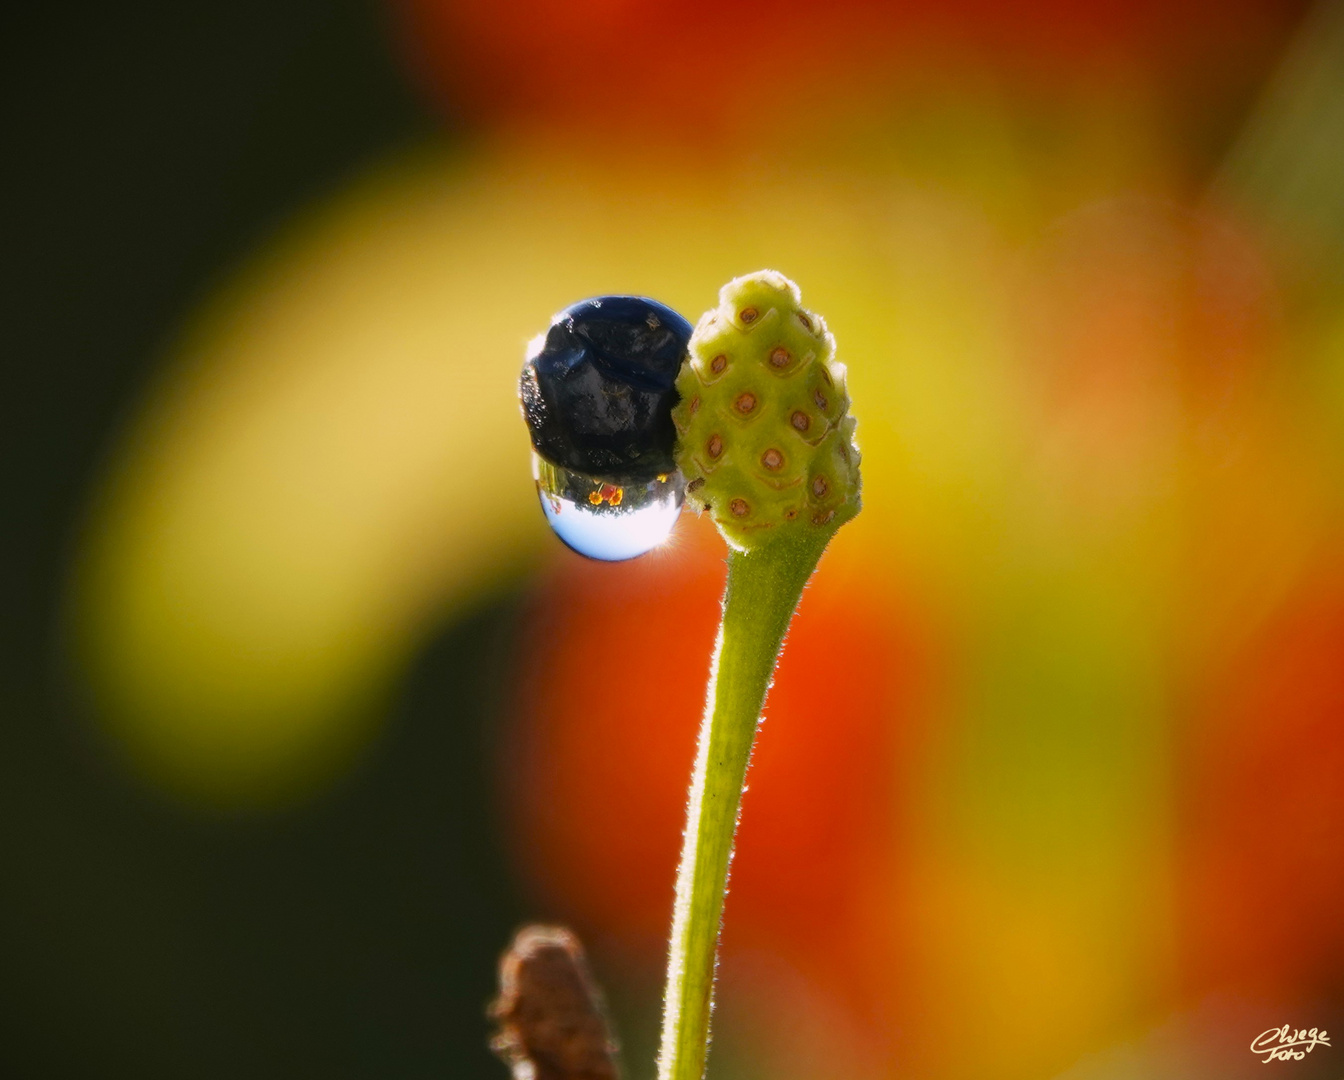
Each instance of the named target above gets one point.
<point>765,439</point>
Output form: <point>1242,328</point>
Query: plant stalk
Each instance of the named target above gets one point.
<point>764,587</point>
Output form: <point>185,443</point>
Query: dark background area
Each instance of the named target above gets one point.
<point>148,148</point>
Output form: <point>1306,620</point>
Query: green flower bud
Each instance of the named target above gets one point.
<point>765,439</point>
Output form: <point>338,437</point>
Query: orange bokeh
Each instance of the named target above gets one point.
<point>608,708</point>
<point>1264,803</point>
<point>660,69</point>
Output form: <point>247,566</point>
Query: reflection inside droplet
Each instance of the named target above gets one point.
<point>607,521</point>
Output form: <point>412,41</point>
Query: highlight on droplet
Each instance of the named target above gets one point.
<point>605,520</point>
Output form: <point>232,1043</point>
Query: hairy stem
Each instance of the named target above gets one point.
<point>764,587</point>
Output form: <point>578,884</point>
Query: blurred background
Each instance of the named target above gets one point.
<point>304,710</point>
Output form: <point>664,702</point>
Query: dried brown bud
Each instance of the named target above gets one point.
<point>552,1025</point>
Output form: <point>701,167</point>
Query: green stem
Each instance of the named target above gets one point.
<point>764,587</point>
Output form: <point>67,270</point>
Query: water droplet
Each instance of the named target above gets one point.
<point>604,520</point>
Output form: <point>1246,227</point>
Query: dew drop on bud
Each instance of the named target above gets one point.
<point>608,521</point>
<point>597,391</point>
